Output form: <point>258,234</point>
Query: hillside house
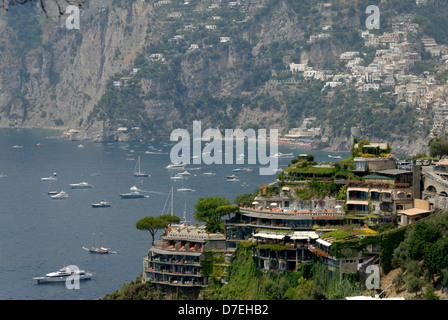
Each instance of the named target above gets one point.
<point>175,260</point>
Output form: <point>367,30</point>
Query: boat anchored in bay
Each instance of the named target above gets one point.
<point>63,275</point>
<point>137,171</point>
<point>133,195</point>
<point>99,249</point>
<point>60,196</point>
<point>81,185</point>
<point>101,204</point>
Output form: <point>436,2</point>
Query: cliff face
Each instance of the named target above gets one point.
<point>54,77</point>
<point>60,81</point>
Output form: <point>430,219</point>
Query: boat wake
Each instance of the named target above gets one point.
<point>134,188</point>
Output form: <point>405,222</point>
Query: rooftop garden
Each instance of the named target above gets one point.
<point>305,168</point>
<point>348,232</point>
<point>366,149</point>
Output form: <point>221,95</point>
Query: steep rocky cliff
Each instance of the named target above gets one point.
<point>58,82</point>
<point>108,75</point>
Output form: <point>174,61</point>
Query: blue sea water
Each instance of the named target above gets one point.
<point>40,235</point>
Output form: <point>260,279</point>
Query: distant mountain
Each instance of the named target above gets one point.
<point>153,66</point>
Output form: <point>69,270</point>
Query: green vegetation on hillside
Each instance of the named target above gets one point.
<point>256,61</point>
<point>312,282</point>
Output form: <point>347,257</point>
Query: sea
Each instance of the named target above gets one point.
<point>39,235</point>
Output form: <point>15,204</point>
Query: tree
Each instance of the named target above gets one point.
<point>244,199</point>
<point>430,294</point>
<point>4,4</point>
<point>154,224</point>
<point>421,238</point>
<point>398,281</point>
<point>413,284</point>
<point>438,147</point>
<point>207,211</point>
<point>228,209</point>
<point>305,289</point>
<point>436,257</point>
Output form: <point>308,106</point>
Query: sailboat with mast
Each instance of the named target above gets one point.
<point>137,171</point>
<point>183,189</point>
<point>99,249</point>
<point>170,211</point>
<point>171,205</point>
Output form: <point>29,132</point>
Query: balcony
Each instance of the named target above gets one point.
<point>174,261</point>
<point>358,198</point>
<point>178,246</point>
<point>174,273</point>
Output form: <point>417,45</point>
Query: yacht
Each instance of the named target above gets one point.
<point>284,155</point>
<point>48,179</point>
<point>137,172</point>
<point>132,195</point>
<point>175,166</point>
<point>99,249</point>
<point>185,190</point>
<point>232,178</point>
<point>335,157</point>
<point>102,204</point>
<point>61,195</point>
<point>81,185</point>
<point>242,169</point>
<point>63,275</point>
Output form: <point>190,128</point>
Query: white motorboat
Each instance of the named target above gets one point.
<point>61,195</point>
<point>101,204</point>
<point>209,173</point>
<point>48,179</point>
<point>175,166</point>
<point>132,195</point>
<point>177,178</point>
<point>284,155</point>
<point>137,171</point>
<point>242,169</point>
<point>185,173</point>
<point>63,274</point>
<point>81,185</point>
<point>232,178</point>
